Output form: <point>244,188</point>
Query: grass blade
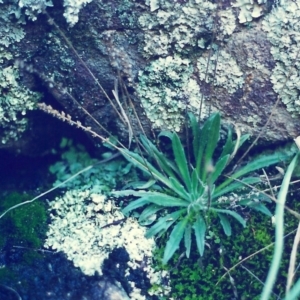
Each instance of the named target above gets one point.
<point>279,231</point>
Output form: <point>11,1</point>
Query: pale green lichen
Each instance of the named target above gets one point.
<point>173,30</point>
<point>10,28</point>
<point>249,9</point>
<point>72,7</point>
<point>167,90</point>
<point>15,100</point>
<point>283,31</point>
<point>223,71</point>
<point>180,27</point>
<point>227,23</point>
<point>175,26</point>
<point>79,229</point>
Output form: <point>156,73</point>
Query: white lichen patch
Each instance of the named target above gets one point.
<point>15,101</point>
<point>249,9</point>
<point>167,89</point>
<point>283,31</point>
<point>227,23</point>
<point>223,71</point>
<point>88,226</point>
<point>175,27</point>
<point>72,8</point>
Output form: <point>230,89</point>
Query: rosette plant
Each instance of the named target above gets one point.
<point>185,188</point>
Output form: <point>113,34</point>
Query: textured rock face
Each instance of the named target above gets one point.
<point>172,55</point>
<point>111,291</point>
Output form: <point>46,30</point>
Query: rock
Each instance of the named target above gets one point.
<point>171,56</point>
<point>111,291</point>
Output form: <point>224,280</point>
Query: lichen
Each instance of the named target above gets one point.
<point>87,227</point>
<point>227,23</point>
<point>249,9</point>
<point>223,71</point>
<point>283,31</point>
<point>10,28</point>
<point>72,7</point>
<point>176,33</point>
<point>174,26</point>
<point>167,90</point>
<point>79,217</point>
<point>15,100</point>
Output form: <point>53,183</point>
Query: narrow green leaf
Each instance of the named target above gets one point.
<point>202,143</point>
<point>213,138</point>
<point>279,232</point>
<point>167,134</point>
<point>196,133</point>
<point>208,140</point>
<point>228,187</point>
<point>145,166</point>
<point>231,213</point>
<point>148,212</point>
<point>174,240</point>
<point>163,223</point>
<point>188,240</point>
<point>126,193</point>
<point>142,185</point>
<point>200,229</point>
<point>229,145</point>
<point>178,188</point>
<point>195,183</point>
<point>262,208</point>
<point>166,166</point>
<point>135,204</point>
<point>243,139</point>
<point>294,293</point>
<point>165,200</point>
<point>225,224</point>
<point>219,168</point>
<point>259,163</point>
<point>181,161</point>
<point>256,205</point>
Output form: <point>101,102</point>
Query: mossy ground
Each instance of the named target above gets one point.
<point>24,226</point>
<point>197,278</point>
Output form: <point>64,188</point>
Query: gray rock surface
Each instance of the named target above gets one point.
<point>171,55</point>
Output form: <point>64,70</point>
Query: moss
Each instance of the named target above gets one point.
<point>196,278</point>
<point>24,226</point>
<point>7,274</point>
